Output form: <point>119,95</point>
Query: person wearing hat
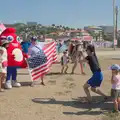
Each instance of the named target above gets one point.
<point>3,62</point>
<point>34,50</point>
<point>115,91</point>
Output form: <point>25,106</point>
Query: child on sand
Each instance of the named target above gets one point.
<point>115,91</point>
<point>97,77</point>
<point>64,62</point>
<point>3,62</point>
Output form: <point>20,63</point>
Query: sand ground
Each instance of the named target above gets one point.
<point>61,99</point>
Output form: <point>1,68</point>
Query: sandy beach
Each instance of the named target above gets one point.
<point>61,99</point>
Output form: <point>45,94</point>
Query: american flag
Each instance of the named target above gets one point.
<point>39,64</point>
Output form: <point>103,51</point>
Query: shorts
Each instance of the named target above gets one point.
<point>65,65</point>
<point>96,79</point>
<point>115,93</point>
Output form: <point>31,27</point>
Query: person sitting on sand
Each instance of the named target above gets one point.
<point>115,91</point>
<point>64,62</point>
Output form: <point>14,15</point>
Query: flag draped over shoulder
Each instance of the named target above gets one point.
<point>40,63</point>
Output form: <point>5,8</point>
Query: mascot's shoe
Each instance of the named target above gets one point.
<point>8,85</point>
<point>15,84</point>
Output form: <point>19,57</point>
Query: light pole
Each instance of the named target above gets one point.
<point>116,12</point>
<point>114,23</point>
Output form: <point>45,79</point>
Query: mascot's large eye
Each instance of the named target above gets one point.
<point>10,38</point>
<point>18,39</point>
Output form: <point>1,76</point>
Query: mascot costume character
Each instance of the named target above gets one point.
<point>15,57</point>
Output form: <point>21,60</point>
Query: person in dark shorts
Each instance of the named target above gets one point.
<point>115,91</point>
<point>97,77</point>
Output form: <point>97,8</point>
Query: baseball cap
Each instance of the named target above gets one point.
<point>115,67</point>
<point>34,38</point>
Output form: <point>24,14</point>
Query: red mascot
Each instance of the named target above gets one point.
<point>15,57</point>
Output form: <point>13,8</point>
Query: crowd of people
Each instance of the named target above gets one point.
<point>78,53</point>
<point>75,53</point>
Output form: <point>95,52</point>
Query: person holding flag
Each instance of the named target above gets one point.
<point>41,56</point>
<point>34,53</point>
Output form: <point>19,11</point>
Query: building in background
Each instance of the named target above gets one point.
<point>79,35</point>
<point>107,29</point>
<point>96,32</point>
<point>108,32</point>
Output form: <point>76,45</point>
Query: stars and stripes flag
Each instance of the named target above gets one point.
<point>40,64</point>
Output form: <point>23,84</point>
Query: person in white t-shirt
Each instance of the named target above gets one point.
<point>64,62</point>
<point>35,48</point>
<point>3,62</point>
<point>115,91</point>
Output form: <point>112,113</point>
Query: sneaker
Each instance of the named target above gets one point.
<point>8,85</point>
<point>15,84</point>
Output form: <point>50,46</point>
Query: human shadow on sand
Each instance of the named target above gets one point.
<point>59,73</point>
<point>53,73</point>
<point>87,112</point>
<point>22,73</point>
<point>25,83</point>
<point>79,103</point>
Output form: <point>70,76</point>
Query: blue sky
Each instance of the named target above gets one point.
<point>74,13</point>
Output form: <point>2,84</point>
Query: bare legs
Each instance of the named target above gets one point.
<point>42,81</point>
<point>2,78</point>
<point>86,86</point>
<point>75,65</point>
<point>81,67</point>
<point>95,90</point>
<point>64,69</point>
<point>116,104</point>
